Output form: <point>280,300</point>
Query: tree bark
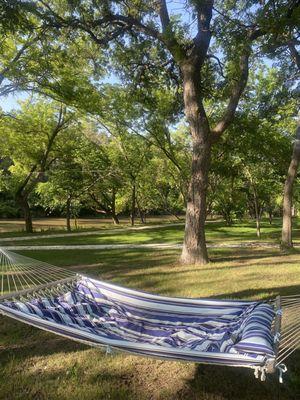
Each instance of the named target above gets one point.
<point>113,208</point>
<point>141,214</point>
<point>257,213</point>
<point>115,219</point>
<point>23,203</point>
<point>194,246</point>
<point>270,217</point>
<point>286,235</point>
<point>68,214</point>
<point>133,200</point>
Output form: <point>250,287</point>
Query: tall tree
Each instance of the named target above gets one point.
<point>286,235</point>
<point>281,42</point>
<point>29,138</point>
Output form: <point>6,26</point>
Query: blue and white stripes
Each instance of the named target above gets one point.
<point>215,331</point>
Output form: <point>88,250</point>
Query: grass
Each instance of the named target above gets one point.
<point>49,225</point>
<point>216,231</point>
<point>39,365</point>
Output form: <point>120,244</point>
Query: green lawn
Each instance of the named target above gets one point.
<point>215,231</point>
<point>50,225</point>
<point>39,365</point>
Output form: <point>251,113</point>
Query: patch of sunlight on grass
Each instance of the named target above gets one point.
<point>216,231</point>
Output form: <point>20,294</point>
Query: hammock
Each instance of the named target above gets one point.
<point>253,334</point>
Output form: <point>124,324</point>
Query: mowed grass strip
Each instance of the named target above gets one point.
<point>216,232</point>
<point>39,365</point>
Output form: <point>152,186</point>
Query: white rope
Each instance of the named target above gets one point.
<point>282,369</point>
<point>290,332</point>
<point>19,273</point>
<point>260,372</point>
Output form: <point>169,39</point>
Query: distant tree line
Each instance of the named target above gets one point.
<point>56,160</point>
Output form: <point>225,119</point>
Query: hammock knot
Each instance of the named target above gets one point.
<point>277,337</point>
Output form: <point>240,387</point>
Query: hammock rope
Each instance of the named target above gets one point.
<point>39,288</point>
<point>290,332</point>
<point>20,273</point>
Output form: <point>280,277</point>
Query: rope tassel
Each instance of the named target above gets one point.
<point>281,369</point>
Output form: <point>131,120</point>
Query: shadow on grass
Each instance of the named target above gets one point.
<point>215,382</point>
<point>21,341</point>
<point>262,292</point>
<point>226,383</point>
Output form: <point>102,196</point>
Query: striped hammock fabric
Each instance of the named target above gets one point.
<point>233,333</point>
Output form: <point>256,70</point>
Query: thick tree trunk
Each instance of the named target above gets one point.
<point>194,246</point>
<point>133,200</point>
<point>23,203</point>
<point>68,214</point>
<point>286,236</point>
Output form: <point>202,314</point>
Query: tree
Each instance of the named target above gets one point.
<point>105,176</point>
<point>130,153</point>
<point>248,164</point>
<point>162,48</point>
<point>110,23</point>
<point>281,42</point>
<point>67,180</point>
<point>286,236</point>
<point>29,138</point>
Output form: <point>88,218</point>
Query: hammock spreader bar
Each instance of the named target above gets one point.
<point>253,334</point>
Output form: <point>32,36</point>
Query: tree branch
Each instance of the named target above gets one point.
<point>164,15</point>
<point>220,64</point>
<point>236,92</point>
<point>295,54</point>
<point>202,39</point>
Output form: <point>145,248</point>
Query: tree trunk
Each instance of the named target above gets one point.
<point>68,213</point>
<point>257,214</point>
<point>270,217</point>
<point>141,214</point>
<point>28,217</point>
<point>133,200</point>
<point>115,219</point>
<point>23,203</point>
<point>286,236</point>
<point>194,246</point>
<point>113,208</point>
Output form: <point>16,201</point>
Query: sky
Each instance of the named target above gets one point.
<point>11,101</point>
